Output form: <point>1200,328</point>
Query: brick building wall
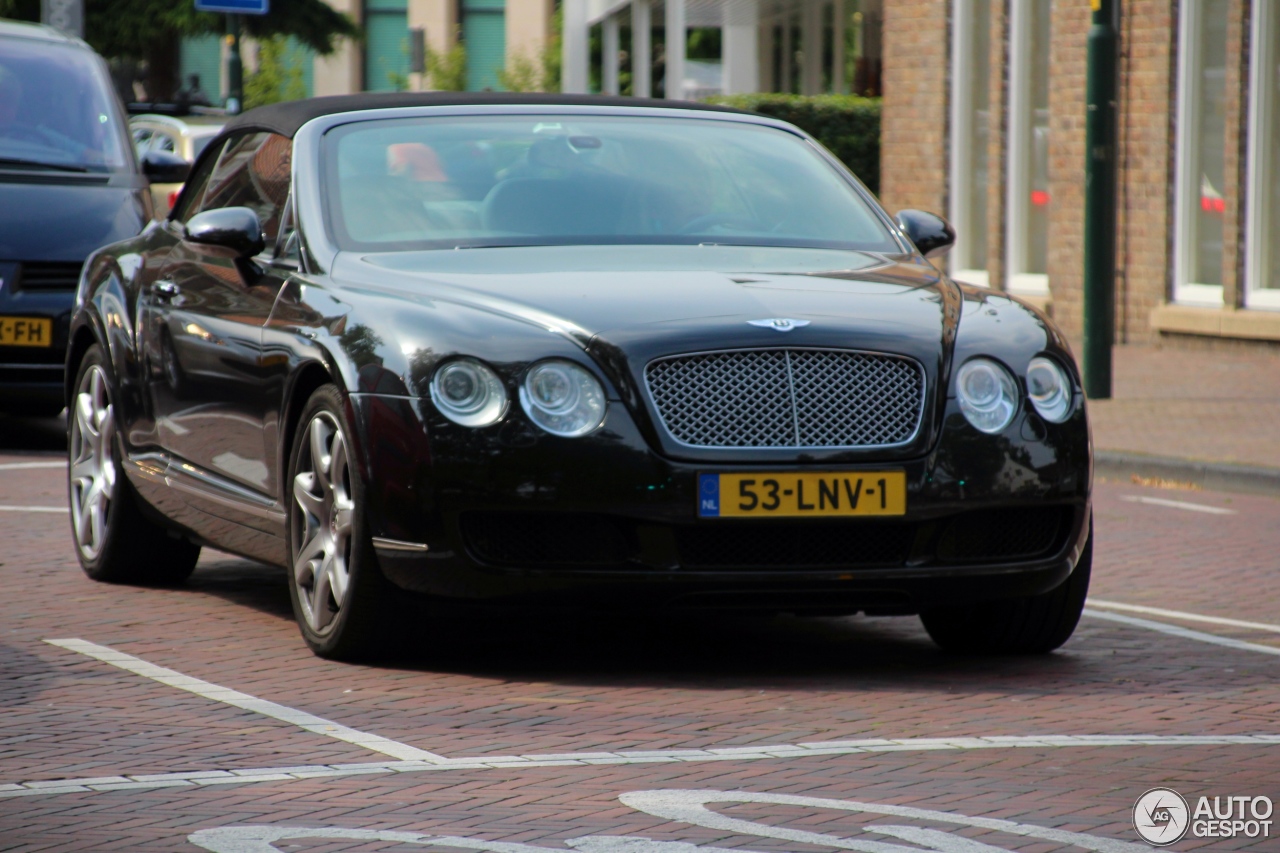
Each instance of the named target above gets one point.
<point>997,133</point>
<point>1233,191</point>
<point>915,145</point>
<point>1071,22</point>
<point>1147,101</point>
<point>914,135</point>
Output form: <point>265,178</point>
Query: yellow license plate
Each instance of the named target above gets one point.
<point>810,494</point>
<point>26,332</point>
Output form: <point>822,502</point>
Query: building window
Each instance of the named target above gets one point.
<point>1262,258</point>
<point>1027,183</point>
<point>484,33</point>
<point>1201,163</point>
<point>970,113</point>
<point>386,49</point>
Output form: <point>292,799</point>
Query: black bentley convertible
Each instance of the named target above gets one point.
<point>569,351</point>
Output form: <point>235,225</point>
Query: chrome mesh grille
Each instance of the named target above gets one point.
<point>788,398</point>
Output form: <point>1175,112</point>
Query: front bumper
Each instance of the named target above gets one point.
<point>513,513</point>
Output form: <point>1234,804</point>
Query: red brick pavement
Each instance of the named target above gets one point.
<point>1219,406</point>
<point>487,686</point>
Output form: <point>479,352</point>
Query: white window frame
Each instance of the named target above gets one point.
<point>1187,186</point>
<point>963,267</point>
<point>1018,165</point>
<point>1259,230</point>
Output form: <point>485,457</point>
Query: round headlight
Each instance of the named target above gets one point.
<point>1049,389</point>
<point>987,393</point>
<point>469,393</point>
<point>562,398</point>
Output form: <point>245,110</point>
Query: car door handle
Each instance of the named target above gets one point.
<point>165,289</point>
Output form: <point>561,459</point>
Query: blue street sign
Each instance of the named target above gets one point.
<point>233,7</point>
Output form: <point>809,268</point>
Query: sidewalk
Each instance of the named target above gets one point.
<point>1211,418</point>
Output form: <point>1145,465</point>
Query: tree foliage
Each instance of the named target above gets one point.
<point>149,30</point>
<point>129,29</point>
<point>447,71</point>
<point>278,78</point>
<point>848,125</point>
<point>538,73</point>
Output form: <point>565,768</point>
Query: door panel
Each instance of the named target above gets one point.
<point>209,399</point>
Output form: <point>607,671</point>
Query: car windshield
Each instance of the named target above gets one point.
<point>408,184</point>
<point>56,109</point>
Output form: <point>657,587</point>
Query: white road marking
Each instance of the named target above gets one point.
<point>61,509</point>
<point>586,759</point>
<point>22,466</point>
<point>1143,499</point>
<point>1181,614</point>
<point>1184,633</point>
<point>302,719</point>
<point>690,807</point>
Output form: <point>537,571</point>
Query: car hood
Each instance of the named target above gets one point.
<point>648,300</point>
<point>64,220</point>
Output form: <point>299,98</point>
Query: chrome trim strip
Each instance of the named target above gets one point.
<point>186,477</point>
<point>398,545</point>
<point>668,434</point>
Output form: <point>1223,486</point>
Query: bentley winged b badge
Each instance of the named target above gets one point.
<point>779,324</point>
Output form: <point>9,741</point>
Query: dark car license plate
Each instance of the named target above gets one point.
<point>802,494</point>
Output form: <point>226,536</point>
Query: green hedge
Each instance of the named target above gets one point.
<point>849,125</point>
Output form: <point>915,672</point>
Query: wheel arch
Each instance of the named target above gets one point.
<point>83,336</point>
<point>306,379</point>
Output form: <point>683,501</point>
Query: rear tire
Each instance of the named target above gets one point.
<point>1035,624</point>
<point>114,541</point>
<point>344,606</point>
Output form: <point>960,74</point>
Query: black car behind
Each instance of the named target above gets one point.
<point>69,183</point>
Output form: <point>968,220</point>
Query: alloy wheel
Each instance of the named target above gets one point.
<point>93,462</point>
<point>322,522</point>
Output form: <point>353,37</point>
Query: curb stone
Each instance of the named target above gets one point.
<point>1214,476</point>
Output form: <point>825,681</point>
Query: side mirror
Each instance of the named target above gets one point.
<point>932,234</point>
<point>235,228</point>
<point>162,167</point>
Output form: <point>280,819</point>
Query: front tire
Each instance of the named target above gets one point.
<point>114,541</point>
<point>1035,624</point>
<point>341,601</point>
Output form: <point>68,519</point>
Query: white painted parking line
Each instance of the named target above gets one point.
<point>61,509</point>
<point>1184,633</point>
<point>23,466</point>
<point>1187,505</point>
<point>1182,614</point>
<point>779,751</point>
<point>302,719</point>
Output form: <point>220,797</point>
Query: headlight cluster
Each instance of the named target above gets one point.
<point>562,398</point>
<point>988,393</point>
<point>559,396</point>
<point>468,392</point>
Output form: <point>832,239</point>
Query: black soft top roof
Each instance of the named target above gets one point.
<point>285,118</point>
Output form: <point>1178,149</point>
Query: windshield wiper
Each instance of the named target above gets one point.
<point>40,164</point>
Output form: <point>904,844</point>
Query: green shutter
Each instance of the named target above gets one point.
<point>386,49</point>
<point>202,55</point>
<point>305,58</point>
<point>484,32</point>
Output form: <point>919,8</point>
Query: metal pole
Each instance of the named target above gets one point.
<point>235,66</point>
<point>1100,199</point>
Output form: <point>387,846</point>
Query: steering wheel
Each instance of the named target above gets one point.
<point>693,226</point>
